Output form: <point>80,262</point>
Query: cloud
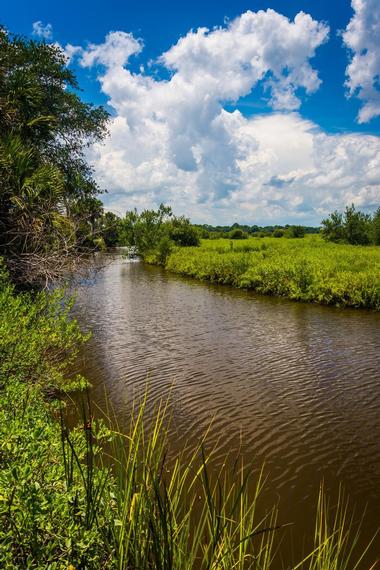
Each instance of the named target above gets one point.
<point>114,53</point>
<point>41,31</point>
<point>173,140</point>
<point>283,169</point>
<point>362,37</point>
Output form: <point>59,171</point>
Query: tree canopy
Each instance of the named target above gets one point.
<point>353,227</point>
<point>153,233</point>
<point>47,190</point>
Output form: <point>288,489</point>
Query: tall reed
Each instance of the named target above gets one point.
<point>176,512</point>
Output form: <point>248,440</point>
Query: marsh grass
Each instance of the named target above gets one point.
<point>308,269</point>
<point>336,537</point>
<point>178,512</point>
<point>172,512</point>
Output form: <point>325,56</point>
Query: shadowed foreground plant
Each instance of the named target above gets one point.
<point>336,537</point>
<point>95,498</point>
<point>175,513</point>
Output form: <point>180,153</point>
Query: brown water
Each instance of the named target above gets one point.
<point>297,384</point>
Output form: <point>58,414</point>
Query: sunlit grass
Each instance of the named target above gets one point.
<point>176,513</point>
<point>307,269</point>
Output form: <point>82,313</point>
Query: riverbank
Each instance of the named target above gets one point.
<point>307,269</point>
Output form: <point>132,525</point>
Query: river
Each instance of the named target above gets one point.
<point>293,385</point>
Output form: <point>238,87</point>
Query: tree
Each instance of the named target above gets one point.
<point>144,231</point>
<point>376,227</point>
<point>110,229</point>
<point>44,177</point>
<point>182,232</point>
<point>154,233</point>
<point>237,233</point>
<point>357,226</point>
<point>296,231</point>
<point>333,227</point>
<point>353,227</point>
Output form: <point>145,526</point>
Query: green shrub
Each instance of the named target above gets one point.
<point>38,339</point>
<point>237,234</point>
<point>296,232</point>
<point>48,488</point>
<point>353,227</point>
<point>182,233</point>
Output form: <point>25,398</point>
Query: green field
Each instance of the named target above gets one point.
<point>308,269</point>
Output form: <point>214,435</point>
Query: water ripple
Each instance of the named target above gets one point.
<point>292,384</point>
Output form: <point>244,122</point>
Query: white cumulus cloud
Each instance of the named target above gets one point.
<point>362,37</point>
<point>41,31</point>
<point>173,139</point>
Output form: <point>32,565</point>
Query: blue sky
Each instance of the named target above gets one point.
<point>279,146</point>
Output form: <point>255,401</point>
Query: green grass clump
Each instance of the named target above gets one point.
<point>46,499</point>
<point>309,270</point>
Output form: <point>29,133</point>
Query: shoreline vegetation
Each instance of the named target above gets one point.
<point>308,270</point>
<point>339,265</point>
<point>91,497</point>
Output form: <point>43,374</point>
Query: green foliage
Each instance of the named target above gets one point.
<point>308,270</point>
<point>352,227</point>
<point>182,233</point>
<point>216,232</point>
<point>278,233</point>
<point>296,232</point>
<point>237,234</point>
<point>38,340</point>
<point>333,228</point>
<point>357,226</point>
<point>47,191</point>
<point>376,227</point>
<point>163,250</point>
<point>145,231</point>
<point>110,229</point>
<point>48,480</point>
<point>154,233</point>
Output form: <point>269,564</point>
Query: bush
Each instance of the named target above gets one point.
<point>237,234</point>
<point>46,488</point>
<point>183,233</point>
<point>296,232</point>
<point>164,248</point>
<point>278,233</point>
<point>357,226</point>
<point>38,340</point>
<point>353,227</point>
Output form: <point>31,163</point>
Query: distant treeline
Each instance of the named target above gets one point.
<point>240,231</point>
<point>154,233</point>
